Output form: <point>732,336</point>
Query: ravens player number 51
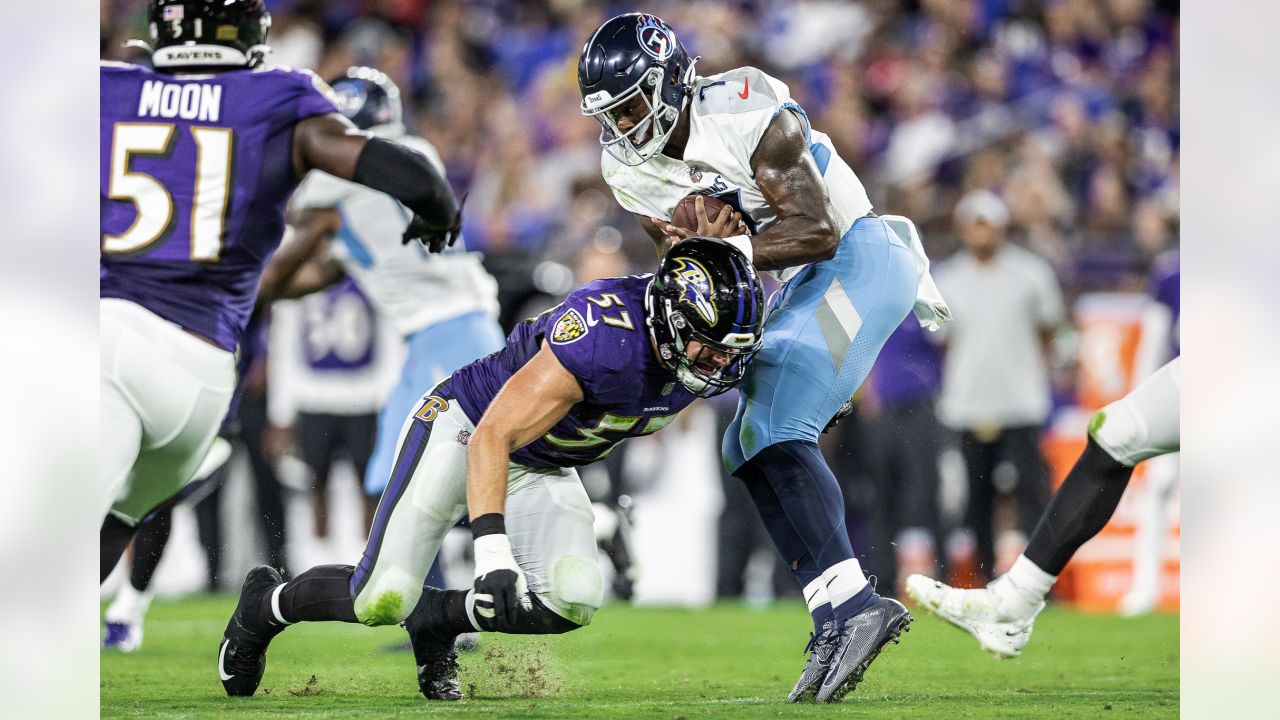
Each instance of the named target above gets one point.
<point>198,158</point>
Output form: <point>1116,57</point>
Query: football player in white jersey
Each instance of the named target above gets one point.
<point>1142,425</point>
<point>445,305</point>
<point>849,280</point>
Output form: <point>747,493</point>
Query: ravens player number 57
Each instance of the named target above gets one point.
<point>499,440</point>
<point>198,158</point>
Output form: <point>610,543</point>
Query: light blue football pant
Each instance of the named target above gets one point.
<point>435,352</point>
<point>824,329</point>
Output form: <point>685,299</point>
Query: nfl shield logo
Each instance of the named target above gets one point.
<point>172,13</point>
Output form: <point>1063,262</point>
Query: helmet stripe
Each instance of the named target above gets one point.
<point>742,301</point>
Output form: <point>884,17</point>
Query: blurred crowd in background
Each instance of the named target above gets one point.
<point>1064,111</point>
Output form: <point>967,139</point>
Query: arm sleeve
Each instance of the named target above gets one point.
<point>409,177</point>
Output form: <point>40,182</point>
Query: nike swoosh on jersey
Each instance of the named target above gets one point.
<point>591,319</point>
<point>221,655</point>
<point>746,88</point>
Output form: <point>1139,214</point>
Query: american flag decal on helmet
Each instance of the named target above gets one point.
<point>172,13</point>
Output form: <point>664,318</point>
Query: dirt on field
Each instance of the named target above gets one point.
<point>522,670</point>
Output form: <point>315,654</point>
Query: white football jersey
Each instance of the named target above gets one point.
<point>407,284</point>
<point>728,114</point>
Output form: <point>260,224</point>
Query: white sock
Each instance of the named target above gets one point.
<point>1026,580</point>
<point>275,605</point>
<point>470,604</point>
<point>844,580</point>
<point>815,594</point>
<point>129,604</point>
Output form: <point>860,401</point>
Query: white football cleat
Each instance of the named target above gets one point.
<point>123,619</point>
<point>122,636</point>
<point>1000,623</point>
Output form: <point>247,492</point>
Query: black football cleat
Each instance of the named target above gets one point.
<point>436,660</point>
<point>821,647</point>
<point>862,637</point>
<point>242,654</point>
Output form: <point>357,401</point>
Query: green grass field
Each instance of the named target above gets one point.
<point>730,661</point>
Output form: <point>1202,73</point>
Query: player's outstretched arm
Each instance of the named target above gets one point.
<point>526,408</point>
<point>332,144</point>
<point>807,229</point>
<point>298,269</point>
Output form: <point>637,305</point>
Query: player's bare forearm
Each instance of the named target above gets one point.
<point>525,409</point>
<point>807,230</point>
<point>312,277</point>
<point>307,235</point>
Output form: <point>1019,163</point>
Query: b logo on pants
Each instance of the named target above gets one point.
<point>431,408</point>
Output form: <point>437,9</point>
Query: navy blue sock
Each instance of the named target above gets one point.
<point>855,604</point>
<point>810,498</point>
<point>789,542</point>
<point>821,615</point>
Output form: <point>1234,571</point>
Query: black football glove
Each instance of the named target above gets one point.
<point>435,238</point>
<point>500,585</point>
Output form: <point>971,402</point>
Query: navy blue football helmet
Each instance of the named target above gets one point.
<point>207,34</point>
<point>706,290</point>
<point>635,55</point>
<point>370,100</point>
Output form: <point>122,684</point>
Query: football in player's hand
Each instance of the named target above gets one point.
<point>686,212</point>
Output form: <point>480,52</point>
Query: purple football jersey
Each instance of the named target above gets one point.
<point>339,329</point>
<point>195,173</point>
<point>909,367</point>
<point>598,334</point>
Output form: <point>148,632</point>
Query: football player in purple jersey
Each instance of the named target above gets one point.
<point>498,441</point>
<point>198,158</point>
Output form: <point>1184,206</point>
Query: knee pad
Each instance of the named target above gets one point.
<point>388,598</point>
<point>577,589</point>
<point>1144,423</point>
<point>1122,433</point>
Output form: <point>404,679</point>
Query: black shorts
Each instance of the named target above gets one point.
<point>323,438</point>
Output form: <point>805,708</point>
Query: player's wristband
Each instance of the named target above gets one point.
<point>493,552</point>
<point>743,243</point>
<point>488,524</point>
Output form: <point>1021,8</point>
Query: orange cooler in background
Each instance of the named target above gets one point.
<point>1101,572</point>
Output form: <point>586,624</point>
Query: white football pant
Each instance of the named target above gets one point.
<point>164,395</point>
<point>1144,423</point>
<point>548,519</point>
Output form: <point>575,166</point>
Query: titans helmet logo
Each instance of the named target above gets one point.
<point>350,98</point>
<point>696,282</point>
<point>655,37</point>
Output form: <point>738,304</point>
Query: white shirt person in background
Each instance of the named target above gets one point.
<point>1006,302</point>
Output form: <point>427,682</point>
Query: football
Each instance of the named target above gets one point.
<point>686,212</point>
